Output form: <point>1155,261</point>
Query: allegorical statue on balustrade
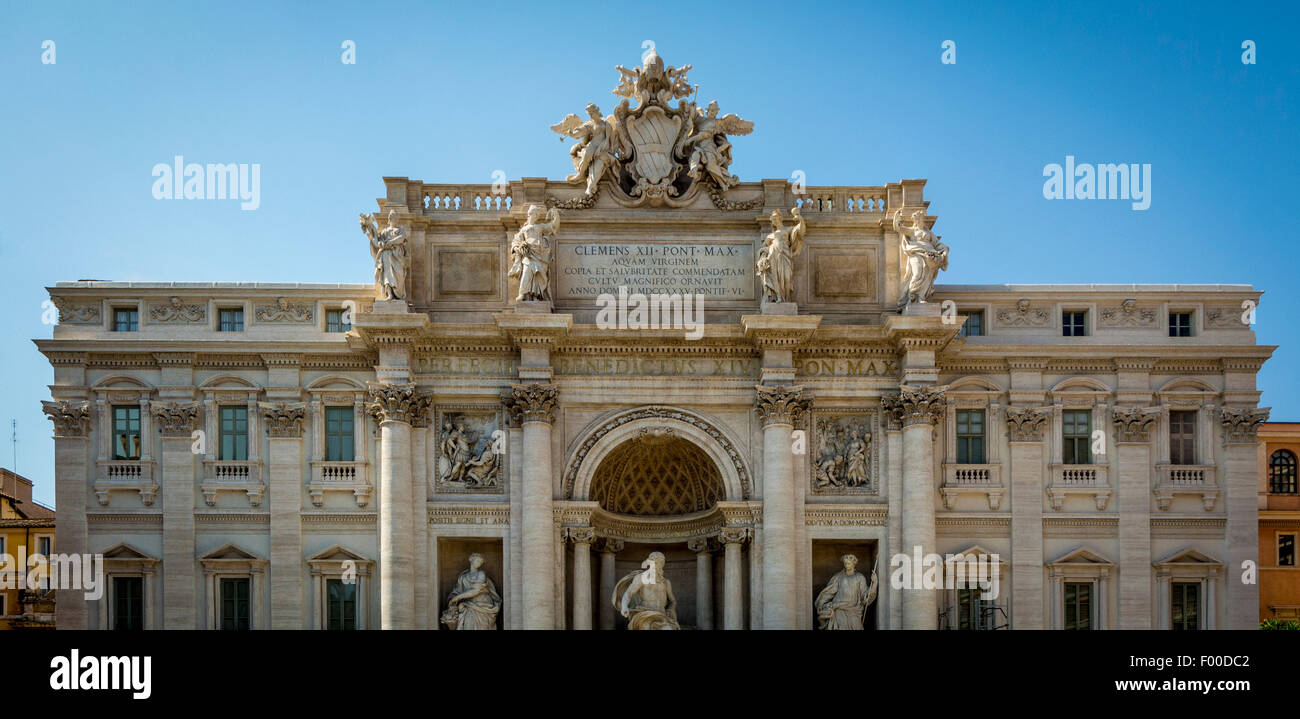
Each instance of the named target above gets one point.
<point>921,256</point>
<point>473,603</point>
<point>646,598</point>
<point>843,603</point>
<point>593,154</point>
<point>775,262</point>
<point>705,147</point>
<point>531,252</point>
<point>389,250</point>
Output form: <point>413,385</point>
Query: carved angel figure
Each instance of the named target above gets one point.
<point>704,144</point>
<point>775,262</point>
<point>388,248</point>
<point>530,254</point>
<point>593,154</point>
<point>921,255</point>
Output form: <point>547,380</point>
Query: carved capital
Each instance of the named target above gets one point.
<point>531,402</point>
<point>283,419</point>
<point>1240,425</point>
<point>701,545</point>
<point>71,419</point>
<point>1026,424</point>
<point>915,404</point>
<point>397,403</point>
<point>176,419</point>
<point>1133,424</point>
<point>613,546</point>
<point>782,405</point>
<point>580,535</point>
<point>733,535</point>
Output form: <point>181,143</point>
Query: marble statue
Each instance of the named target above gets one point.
<point>921,256</point>
<point>706,138</point>
<point>473,602</point>
<point>843,603</point>
<point>530,254</point>
<point>646,597</point>
<point>775,262</point>
<point>593,154</point>
<point>389,250</point>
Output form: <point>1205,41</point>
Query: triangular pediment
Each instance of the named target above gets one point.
<point>1188,556</point>
<point>230,551</point>
<point>337,553</point>
<point>122,550</point>
<point>1081,555</point>
<point>976,550</point>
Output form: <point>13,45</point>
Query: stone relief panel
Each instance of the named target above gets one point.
<point>284,311</point>
<point>1227,318</point>
<point>176,311</point>
<point>1128,314</point>
<point>1023,314</point>
<point>468,450</point>
<point>73,313</point>
<point>843,456</point>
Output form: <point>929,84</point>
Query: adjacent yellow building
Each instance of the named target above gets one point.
<point>26,528</point>
<point>1279,520</point>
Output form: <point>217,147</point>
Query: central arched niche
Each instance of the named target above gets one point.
<point>657,473</point>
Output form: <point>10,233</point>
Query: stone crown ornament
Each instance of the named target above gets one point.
<point>175,419</point>
<point>653,152</point>
<point>283,419</point>
<point>397,403</point>
<point>915,404</point>
<point>71,419</point>
<point>1133,424</point>
<point>1025,424</point>
<point>531,402</point>
<point>782,405</point>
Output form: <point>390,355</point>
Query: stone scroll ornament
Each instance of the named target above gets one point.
<point>389,250</point>
<point>531,252</point>
<point>397,403</point>
<point>1241,425</point>
<point>915,404</point>
<point>842,604</point>
<point>921,256</point>
<point>654,152</point>
<point>646,597</point>
<point>1026,424</point>
<point>1133,424</point>
<point>775,263</point>
<point>473,602</point>
<point>71,419</point>
<point>175,419</point>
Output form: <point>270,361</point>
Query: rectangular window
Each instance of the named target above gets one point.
<point>342,605</point>
<point>126,319</point>
<point>1074,323</point>
<point>970,609</point>
<point>235,605</point>
<point>234,433</point>
<point>974,324</point>
<point>1180,324</point>
<point>1076,436</point>
<point>1185,612</point>
<point>336,321</point>
<point>126,432</point>
<point>1182,437</point>
<point>1078,606</point>
<point>339,443</point>
<point>970,436</point>
<point>128,604</point>
<point>45,546</point>
<point>1286,549</point>
<point>230,319</point>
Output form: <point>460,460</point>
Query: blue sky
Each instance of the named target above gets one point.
<point>850,93</point>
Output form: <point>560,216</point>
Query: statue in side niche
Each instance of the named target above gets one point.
<point>646,597</point>
<point>473,602</point>
<point>843,603</point>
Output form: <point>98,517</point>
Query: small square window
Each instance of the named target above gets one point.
<point>126,319</point>
<point>230,319</point>
<point>337,321</point>
<point>1074,323</point>
<point>974,324</point>
<point>1180,324</point>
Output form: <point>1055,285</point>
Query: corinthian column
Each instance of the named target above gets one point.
<point>71,427</point>
<point>582,538</point>
<point>608,553</point>
<point>178,422</point>
<point>733,598</point>
<point>1025,432</point>
<point>533,406</point>
<point>703,582</point>
<point>1240,443</point>
<point>284,425</point>
<point>394,407</point>
<point>918,409</point>
<point>781,408</point>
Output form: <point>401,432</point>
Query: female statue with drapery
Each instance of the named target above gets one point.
<point>473,602</point>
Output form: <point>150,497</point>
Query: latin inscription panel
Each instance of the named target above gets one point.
<point>719,271</point>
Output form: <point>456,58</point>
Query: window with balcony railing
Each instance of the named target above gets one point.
<point>970,436</point>
<point>1076,436</point>
<point>126,432</point>
<point>1182,437</point>
<point>234,433</point>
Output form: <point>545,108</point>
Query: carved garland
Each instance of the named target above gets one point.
<point>70,419</point>
<point>656,412</point>
<point>1241,425</point>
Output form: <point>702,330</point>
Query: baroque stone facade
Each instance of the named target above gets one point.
<point>345,455</point>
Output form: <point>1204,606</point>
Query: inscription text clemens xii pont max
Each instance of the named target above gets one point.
<point>719,271</point>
